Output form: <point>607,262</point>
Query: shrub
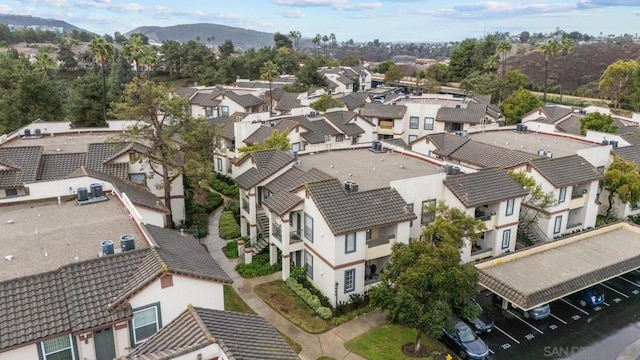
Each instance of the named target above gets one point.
<point>225,186</point>
<point>259,267</point>
<point>312,300</point>
<point>231,250</point>
<point>213,202</point>
<point>228,227</point>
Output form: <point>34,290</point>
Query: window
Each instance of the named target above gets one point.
<point>367,235</point>
<point>308,264</point>
<point>58,348</point>
<point>428,123</point>
<point>219,163</point>
<point>308,227</point>
<point>412,138</point>
<point>557,225</point>
<point>428,213</point>
<point>510,204</point>
<point>563,194</point>
<point>225,110</point>
<point>456,127</point>
<point>506,239</point>
<point>350,243</point>
<point>11,192</point>
<point>208,110</point>
<point>144,324</point>
<point>295,147</point>
<point>413,122</point>
<point>349,280</point>
<point>410,206</point>
<point>600,169</point>
<point>138,178</point>
<point>354,140</point>
<point>339,138</point>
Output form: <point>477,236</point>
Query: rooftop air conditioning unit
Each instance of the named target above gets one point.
<point>549,154</point>
<point>542,152</point>
<point>613,143</point>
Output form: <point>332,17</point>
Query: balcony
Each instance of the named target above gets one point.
<point>478,253</point>
<point>578,201</point>
<point>486,216</point>
<point>379,247</point>
<point>295,236</point>
<point>386,127</point>
<point>276,231</point>
<point>245,205</point>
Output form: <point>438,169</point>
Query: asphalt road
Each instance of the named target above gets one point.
<point>572,332</point>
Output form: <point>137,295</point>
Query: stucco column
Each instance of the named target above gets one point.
<point>273,253</point>
<point>253,232</point>
<point>243,226</point>
<point>248,255</point>
<point>286,266</point>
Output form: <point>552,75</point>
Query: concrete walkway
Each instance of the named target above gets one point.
<point>330,343</point>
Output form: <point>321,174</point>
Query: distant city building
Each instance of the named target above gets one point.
<point>56,29</point>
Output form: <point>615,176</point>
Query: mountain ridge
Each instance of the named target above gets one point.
<point>242,38</point>
<point>28,20</point>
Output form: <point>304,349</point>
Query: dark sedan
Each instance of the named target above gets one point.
<point>481,323</point>
<point>465,342</point>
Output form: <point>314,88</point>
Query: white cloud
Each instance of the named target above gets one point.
<point>293,14</point>
<point>311,3</point>
<point>4,9</point>
<point>359,7</point>
<point>132,7</point>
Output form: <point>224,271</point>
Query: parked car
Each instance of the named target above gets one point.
<point>590,297</point>
<point>537,313</point>
<point>465,342</point>
<point>481,323</point>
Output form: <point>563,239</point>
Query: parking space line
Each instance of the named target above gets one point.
<point>557,318</point>
<point>505,334</point>
<point>604,302</point>
<point>575,307</point>
<point>614,290</point>
<point>521,319</point>
<point>491,351</point>
<point>629,281</point>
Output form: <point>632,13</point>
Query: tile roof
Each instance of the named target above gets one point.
<point>99,153</point>
<point>224,125</point>
<point>58,166</point>
<point>474,113</point>
<point>447,143</point>
<point>342,120</point>
<point>199,327</point>
<point>484,187</point>
<point>318,130</point>
<point>570,125</point>
<point>555,113</point>
<point>354,100</point>
<point>246,100</point>
<point>397,142</point>
<point>204,99</point>
<point>282,202</point>
<point>288,101</point>
<point>264,131</point>
<point>631,138</point>
<point>23,162</point>
<point>383,111</point>
<point>185,91</point>
<point>266,163</point>
<point>294,178</point>
<point>349,212</point>
<point>566,171</point>
<point>628,153</point>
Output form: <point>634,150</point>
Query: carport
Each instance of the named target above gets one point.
<point>541,274</point>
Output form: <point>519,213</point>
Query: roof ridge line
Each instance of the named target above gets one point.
<point>194,313</point>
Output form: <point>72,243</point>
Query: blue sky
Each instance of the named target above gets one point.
<point>360,20</point>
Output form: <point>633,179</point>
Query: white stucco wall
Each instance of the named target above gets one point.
<point>122,339</point>
<point>63,187</point>
<point>174,299</point>
<point>415,191</point>
<point>420,110</point>
<point>151,217</point>
<point>86,351</point>
<point>21,353</point>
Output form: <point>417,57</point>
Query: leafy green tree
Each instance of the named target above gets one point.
<point>524,37</point>
<point>512,81</point>
<point>461,62</point>
<point>162,118</point>
<point>102,52</point>
<point>119,38</point>
<point>172,60</point>
<point>226,48</point>
<point>45,63</point>
<point>438,72</point>
<point>282,40</point>
<point>535,204</point>
<point>394,74</point>
<point>617,80</point>
<point>267,72</point>
<point>384,66</point>
<point>481,84</point>
<point>38,98</point>
<point>426,285</point>
<point>120,75</point>
<point>325,102</point>
<point>66,56</point>
<point>548,49</point>
<point>286,60</point>
<point>308,76</point>
<point>519,103</point>
<point>622,181</point>
<point>85,106</point>
<point>597,122</point>
<point>350,60</point>
<point>277,140</point>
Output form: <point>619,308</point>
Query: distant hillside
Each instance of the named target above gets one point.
<point>242,38</point>
<point>582,69</point>
<point>25,20</point>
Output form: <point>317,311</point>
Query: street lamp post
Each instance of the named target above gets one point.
<point>335,293</point>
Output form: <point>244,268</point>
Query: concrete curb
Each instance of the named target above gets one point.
<point>631,352</point>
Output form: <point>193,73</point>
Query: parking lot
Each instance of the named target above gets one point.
<point>571,331</point>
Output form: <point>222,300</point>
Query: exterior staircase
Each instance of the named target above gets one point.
<point>535,235</point>
<point>261,241</point>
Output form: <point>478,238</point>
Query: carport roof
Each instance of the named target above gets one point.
<point>548,272</point>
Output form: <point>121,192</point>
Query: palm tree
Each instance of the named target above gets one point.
<point>148,58</point>
<point>102,52</point>
<point>133,49</point>
<point>550,48</point>
<point>332,37</point>
<point>325,41</point>
<point>267,72</point>
<point>45,62</point>
<point>566,48</point>
<point>295,36</point>
<point>504,47</point>
<point>316,42</point>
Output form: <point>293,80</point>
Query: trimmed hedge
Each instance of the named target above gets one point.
<point>228,227</point>
<point>311,300</point>
<point>259,267</point>
<point>225,186</point>
<point>231,250</point>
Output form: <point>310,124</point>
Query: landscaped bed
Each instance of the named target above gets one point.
<point>386,342</point>
<point>280,298</point>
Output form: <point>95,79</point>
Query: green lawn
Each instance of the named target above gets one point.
<point>280,298</point>
<point>385,343</point>
<point>233,301</point>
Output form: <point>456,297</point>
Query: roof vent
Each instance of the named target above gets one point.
<point>27,132</point>
<point>605,142</point>
<point>351,186</point>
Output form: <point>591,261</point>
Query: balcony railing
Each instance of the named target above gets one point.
<point>386,124</point>
<point>245,205</point>
<point>379,242</point>
<point>295,236</point>
<point>578,193</point>
<point>276,231</point>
